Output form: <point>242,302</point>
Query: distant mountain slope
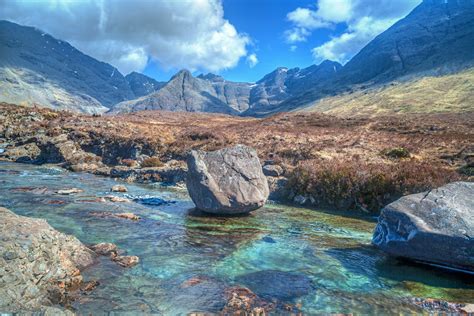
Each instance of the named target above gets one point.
<point>212,93</point>
<point>37,68</point>
<point>436,38</point>
<point>431,94</point>
<point>184,93</point>
<point>142,85</point>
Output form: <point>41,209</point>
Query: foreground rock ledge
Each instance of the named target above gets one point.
<point>227,181</point>
<point>37,263</point>
<point>434,227</point>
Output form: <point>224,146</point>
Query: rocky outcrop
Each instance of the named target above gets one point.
<point>435,227</point>
<point>227,181</point>
<point>37,263</point>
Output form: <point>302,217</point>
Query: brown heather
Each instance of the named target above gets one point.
<point>341,162</point>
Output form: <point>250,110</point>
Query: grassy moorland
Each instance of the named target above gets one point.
<point>347,163</point>
<point>451,93</point>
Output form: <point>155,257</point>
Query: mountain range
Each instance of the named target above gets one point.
<point>436,40</point>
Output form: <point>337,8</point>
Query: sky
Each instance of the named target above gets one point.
<point>242,40</point>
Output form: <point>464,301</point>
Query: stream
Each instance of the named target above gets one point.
<point>319,261</point>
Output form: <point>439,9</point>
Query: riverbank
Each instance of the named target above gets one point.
<point>313,159</point>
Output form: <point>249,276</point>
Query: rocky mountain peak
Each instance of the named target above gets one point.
<point>211,77</point>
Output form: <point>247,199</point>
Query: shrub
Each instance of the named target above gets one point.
<point>152,162</point>
<point>129,162</point>
<point>354,184</point>
<point>396,153</point>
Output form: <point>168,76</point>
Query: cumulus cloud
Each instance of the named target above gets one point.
<point>363,20</point>
<point>189,34</point>
<point>252,60</point>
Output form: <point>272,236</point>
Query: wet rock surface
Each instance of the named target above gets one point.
<point>37,263</point>
<point>435,227</point>
<point>227,181</point>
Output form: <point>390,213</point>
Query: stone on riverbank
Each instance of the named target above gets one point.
<point>435,226</point>
<point>227,181</point>
<point>119,188</point>
<point>37,263</point>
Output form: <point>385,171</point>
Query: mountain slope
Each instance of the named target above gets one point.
<point>431,94</point>
<point>436,38</point>
<point>142,85</point>
<point>37,68</point>
<point>212,93</point>
<point>182,93</point>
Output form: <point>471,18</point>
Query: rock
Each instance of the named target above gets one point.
<point>129,216</point>
<point>27,153</point>
<point>90,286</point>
<point>278,188</point>
<point>117,199</point>
<point>38,263</point>
<point>227,181</point>
<point>119,188</point>
<point>300,199</point>
<point>84,167</point>
<point>126,261</point>
<point>272,170</point>
<point>468,309</point>
<point>277,284</point>
<point>242,301</point>
<point>69,191</point>
<point>435,227</point>
<point>105,249</point>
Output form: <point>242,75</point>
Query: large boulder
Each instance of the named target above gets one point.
<point>227,181</point>
<point>38,264</point>
<point>435,227</point>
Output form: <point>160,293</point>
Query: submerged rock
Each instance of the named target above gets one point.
<point>37,263</point>
<point>119,188</point>
<point>435,227</point>
<point>69,191</point>
<point>227,181</point>
<point>126,261</point>
<point>105,249</point>
<point>277,284</point>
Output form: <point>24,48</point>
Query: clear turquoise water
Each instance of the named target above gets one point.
<point>175,244</point>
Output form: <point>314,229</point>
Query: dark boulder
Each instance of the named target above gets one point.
<point>435,226</point>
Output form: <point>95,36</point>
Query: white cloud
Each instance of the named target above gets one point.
<point>252,60</point>
<point>293,48</point>
<point>363,20</point>
<point>189,34</point>
<point>296,34</point>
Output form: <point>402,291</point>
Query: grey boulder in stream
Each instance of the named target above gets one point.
<point>435,227</point>
<point>227,181</point>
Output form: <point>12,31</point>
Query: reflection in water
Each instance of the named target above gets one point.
<point>320,261</point>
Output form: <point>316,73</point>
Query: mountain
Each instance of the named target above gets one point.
<point>142,85</point>
<point>212,93</point>
<point>435,39</point>
<point>427,94</point>
<point>37,68</point>
<point>187,93</point>
<point>283,84</point>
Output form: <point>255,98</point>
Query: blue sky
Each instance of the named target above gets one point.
<point>241,40</point>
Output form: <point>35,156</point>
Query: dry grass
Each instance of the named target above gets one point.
<point>347,157</point>
<point>443,94</point>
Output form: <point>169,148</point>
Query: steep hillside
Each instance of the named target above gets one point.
<point>182,93</point>
<point>432,94</point>
<point>36,68</point>
<point>142,85</point>
<point>436,38</point>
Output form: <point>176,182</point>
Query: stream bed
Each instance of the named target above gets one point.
<point>318,262</point>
